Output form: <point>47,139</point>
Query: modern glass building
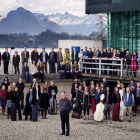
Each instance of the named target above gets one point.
<point>123,21</point>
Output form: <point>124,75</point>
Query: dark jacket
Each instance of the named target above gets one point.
<point>44,100</point>
<point>5,84</point>
<point>128,59</point>
<point>4,56</point>
<point>16,60</point>
<point>90,54</point>
<point>16,97</point>
<point>0,58</point>
<point>109,98</point>
<point>53,88</point>
<point>27,109</point>
<point>80,95</point>
<point>74,94</point>
<point>34,56</point>
<point>9,95</point>
<point>20,87</point>
<point>68,68</point>
<point>55,56</point>
<point>116,100</point>
<point>61,67</point>
<point>46,57</point>
<point>34,95</point>
<point>122,54</point>
<point>25,69</point>
<point>97,98</point>
<point>76,56</point>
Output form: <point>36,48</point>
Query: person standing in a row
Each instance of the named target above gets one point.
<point>25,56</point>
<point>52,60</point>
<point>34,56</point>
<point>6,59</point>
<point>16,61</point>
<point>65,107</point>
<point>44,58</point>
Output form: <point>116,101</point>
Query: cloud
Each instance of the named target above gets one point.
<point>45,6</point>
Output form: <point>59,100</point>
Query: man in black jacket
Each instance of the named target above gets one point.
<point>127,59</point>
<point>44,58</point>
<point>52,60</point>
<point>65,107</point>
<point>6,59</point>
<point>74,55</point>
<point>61,69</point>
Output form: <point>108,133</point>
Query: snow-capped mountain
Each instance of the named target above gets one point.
<point>73,24</point>
<point>22,20</point>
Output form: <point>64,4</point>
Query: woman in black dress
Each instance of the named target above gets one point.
<point>86,103</point>
<point>44,103</point>
<point>27,111</point>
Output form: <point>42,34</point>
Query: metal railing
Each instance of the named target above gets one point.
<point>101,64</point>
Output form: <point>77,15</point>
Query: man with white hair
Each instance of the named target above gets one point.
<point>65,107</point>
<point>128,103</point>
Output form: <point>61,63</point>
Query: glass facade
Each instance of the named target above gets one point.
<point>115,1</point>
<point>124,30</point>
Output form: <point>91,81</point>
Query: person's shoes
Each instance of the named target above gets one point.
<point>62,133</point>
<point>121,121</point>
<point>87,117</point>
<point>67,134</point>
<point>7,73</point>
<point>84,118</point>
<point>129,121</point>
<point>134,114</point>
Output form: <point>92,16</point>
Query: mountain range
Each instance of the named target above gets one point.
<point>22,20</point>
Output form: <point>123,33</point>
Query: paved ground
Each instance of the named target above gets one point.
<point>49,129</point>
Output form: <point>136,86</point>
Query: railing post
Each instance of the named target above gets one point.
<point>121,68</point>
<point>99,67</point>
<point>12,66</point>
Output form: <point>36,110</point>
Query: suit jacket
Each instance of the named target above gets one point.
<point>46,57</point>
<point>16,60</point>
<point>68,68</point>
<point>61,67</point>
<point>76,56</point>
<point>53,88</point>
<point>4,56</point>
<point>34,56</point>
<point>58,57</point>
<point>75,68</point>
<point>23,56</point>
<point>55,56</point>
<point>34,95</point>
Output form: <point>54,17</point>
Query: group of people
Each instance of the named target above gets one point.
<point>15,95</point>
<point>130,61</point>
<point>88,96</point>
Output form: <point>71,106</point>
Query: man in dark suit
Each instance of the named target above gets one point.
<point>89,55</point>
<point>61,69</point>
<point>34,55</point>
<point>74,55</point>
<point>44,58</point>
<point>52,60</point>
<point>36,94</point>
<point>6,59</point>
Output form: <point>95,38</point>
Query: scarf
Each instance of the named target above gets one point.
<point>30,98</point>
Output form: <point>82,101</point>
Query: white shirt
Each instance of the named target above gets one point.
<point>33,69</point>
<point>37,94</point>
<point>25,53</point>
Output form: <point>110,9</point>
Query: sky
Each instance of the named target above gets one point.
<point>75,7</point>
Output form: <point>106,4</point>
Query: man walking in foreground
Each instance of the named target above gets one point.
<point>65,107</point>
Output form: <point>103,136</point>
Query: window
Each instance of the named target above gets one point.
<point>115,1</point>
